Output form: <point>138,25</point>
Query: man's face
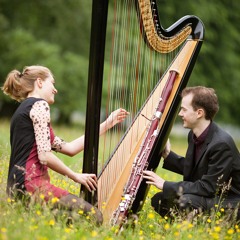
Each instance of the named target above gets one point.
<point>187,113</point>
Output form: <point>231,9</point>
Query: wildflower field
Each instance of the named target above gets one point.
<point>39,222</point>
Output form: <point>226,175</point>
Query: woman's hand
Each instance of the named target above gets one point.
<point>153,179</point>
<point>89,180</point>
<point>116,116</point>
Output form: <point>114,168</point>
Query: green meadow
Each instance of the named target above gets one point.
<point>40,222</point>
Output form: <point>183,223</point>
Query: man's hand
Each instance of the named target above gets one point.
<point>153,179</point>
<point>166,149</point>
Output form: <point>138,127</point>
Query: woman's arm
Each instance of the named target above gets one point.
<point>77,145</point>
<point>53,162</point>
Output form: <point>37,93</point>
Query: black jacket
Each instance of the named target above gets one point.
<point>218,165</point>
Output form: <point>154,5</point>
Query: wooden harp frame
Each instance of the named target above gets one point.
<point>187,55</point>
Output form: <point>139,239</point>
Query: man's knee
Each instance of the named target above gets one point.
<point>191,201</point>
<point>156,200</point>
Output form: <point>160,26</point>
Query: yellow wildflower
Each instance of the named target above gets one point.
<point>93,210</point>
<point>166,226</point>
<point>151,215</point>
<point>176,234</point>
<point>230,231</point>
<point>94,233</point>
<point>190,225</point>
<point>55,199</point>
<point>38,212</point>
<point>217,229</point>
<point>80,212</point>
<point>67,230</point>
<point>3,230</point>
<point>52,222</point>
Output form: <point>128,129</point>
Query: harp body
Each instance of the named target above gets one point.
<point>187,36</point>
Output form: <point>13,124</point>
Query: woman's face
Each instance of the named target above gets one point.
<point>48,89</point>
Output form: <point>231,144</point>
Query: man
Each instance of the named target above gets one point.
<point>211,167</point>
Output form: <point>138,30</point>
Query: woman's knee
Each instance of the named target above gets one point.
<point>72,202</point>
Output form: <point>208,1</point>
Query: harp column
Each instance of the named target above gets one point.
<point>95,76</point>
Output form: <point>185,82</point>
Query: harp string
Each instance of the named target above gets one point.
<point>133,71</point>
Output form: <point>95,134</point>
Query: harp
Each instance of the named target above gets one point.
<point>135,67</point>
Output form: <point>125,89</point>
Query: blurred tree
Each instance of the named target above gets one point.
<point>54,34</point>
<point>218,64</point>
<point>57,34</point>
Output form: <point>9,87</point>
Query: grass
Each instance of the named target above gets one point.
<point>41,223</point>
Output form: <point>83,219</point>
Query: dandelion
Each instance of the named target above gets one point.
<point>94,233</point>
<point>222,209</point>
<point>34,227</point>
<point>38,212</point>
<point>67,230</point>
<point>80,212</point>
<point>140,233</point>
<point>230,231</point>
<point>217,229</point>
<point>10,200</point>
<point>55,200</point>
<point>93,210</point>
<point>176,234</point>
<point>166,226</point>
<point>215,236</point>
<point>3,230</point>
<point>103,205</point>
<point>209,220</point>
<point>42,196</point>
<point>189,236</point>
<point>151,215</point>
<point>179,226</point>
<point>51,222</point>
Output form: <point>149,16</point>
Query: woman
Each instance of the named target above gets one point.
<point>32,141</point>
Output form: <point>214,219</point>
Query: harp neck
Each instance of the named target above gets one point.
<point>166,40</point>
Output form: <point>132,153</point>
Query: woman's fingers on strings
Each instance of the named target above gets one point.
<point>122,114</point>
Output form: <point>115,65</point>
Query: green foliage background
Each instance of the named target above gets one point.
<point>57,34</point>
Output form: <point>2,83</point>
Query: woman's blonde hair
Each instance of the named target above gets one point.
<point>19,84</point>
